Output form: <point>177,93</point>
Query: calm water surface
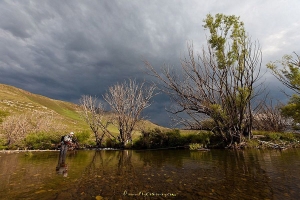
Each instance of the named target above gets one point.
<point>159,174</point>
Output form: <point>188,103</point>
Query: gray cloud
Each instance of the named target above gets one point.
<point>64,49</point>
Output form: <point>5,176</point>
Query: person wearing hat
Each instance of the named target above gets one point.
<point>68,139</point>
<point>66,142</point>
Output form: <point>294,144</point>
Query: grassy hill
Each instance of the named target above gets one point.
<point>15,101</point>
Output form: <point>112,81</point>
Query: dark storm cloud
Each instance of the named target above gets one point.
<point>65,49</point>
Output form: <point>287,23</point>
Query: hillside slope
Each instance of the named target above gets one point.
<point>14,101</point>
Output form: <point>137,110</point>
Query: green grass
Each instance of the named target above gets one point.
<point>278,136</point>
<point>3,114</point>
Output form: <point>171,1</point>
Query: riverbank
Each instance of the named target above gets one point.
<point>252,144</point>
<point>19,151</point>
<point>174,140</point>
<point>264,143</point>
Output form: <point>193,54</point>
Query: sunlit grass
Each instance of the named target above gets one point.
<point>277,136</point>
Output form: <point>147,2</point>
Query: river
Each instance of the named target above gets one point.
<point>151,174</point>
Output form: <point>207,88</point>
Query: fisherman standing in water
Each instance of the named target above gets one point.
<point>67,141</point>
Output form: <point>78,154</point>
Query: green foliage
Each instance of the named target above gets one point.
<point>157,138</point>
<point>151,139</point>
<point>234,60</point>
<point>217,111</point>
<point>291,137</point>
<point>2,143</point>
<point>173,138</point>
<point>226,30</point>
<point>279,136</point>
<point>273,136</point>
<point>111,143</point>
<point>203,137</point>
<point>195,146</point>
<point>41,140</point>
<point>83,136</point>
<point>292,109</point>
<point>208,124</point>
<point>242,95</point>
<point>251,144</point>
<point>289,73</point>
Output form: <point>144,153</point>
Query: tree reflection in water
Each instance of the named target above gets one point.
<point>108,172</point>
<point>188,174</point>
<point>217,174</point>
<point>241,175</point>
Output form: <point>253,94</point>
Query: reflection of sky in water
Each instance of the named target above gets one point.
<point>189,174</point>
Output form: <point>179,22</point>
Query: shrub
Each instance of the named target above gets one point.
<point>203,137</point>
<point>281,136</point>
<point>164,139</point>
<point>17,127</point>
<point>273,136</point>
<point>111,143</point>
<point>288,137</point>
<point>173,139</point>
<point>2,142</point>
<point>270,118</point>
<point>195,146</point>
<point>252,143</point>
<point>41,140</point>
<point>83,136</point>
<point>208,124</point>
<point>156,139</point>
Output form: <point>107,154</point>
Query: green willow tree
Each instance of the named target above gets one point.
<point>289,74</point>
<point>219,83</point>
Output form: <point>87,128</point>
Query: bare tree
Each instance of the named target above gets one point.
<point>93,113</point>
<point>219,83</point>
<point>17,127</point>
<point>127,101</point>
<point>270,118</point>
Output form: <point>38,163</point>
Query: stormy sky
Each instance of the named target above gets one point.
<point>65,49</point>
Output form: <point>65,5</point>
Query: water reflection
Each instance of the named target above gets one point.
<point>125,165</point>
<point>240,173</point>
<point>185,174</point>
<point>62,167</point>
